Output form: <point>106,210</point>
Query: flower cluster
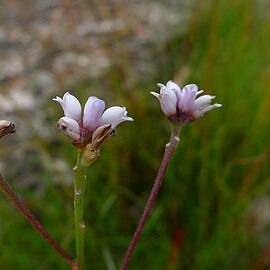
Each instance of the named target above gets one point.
<point>93,124</point>
<point>183,106</point>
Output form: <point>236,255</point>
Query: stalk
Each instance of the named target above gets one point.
<point>7,128</point>
<point>79,190</point>
<point>16,201</point>
<point>167,157</point>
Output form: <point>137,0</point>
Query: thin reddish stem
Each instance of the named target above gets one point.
<point>169,150</point>
<point>15,200</point>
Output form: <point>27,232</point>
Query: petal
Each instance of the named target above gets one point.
<point>114,116</point>
<point>188,95</point>
<point>62,103</point>
<point>69,127</point>
<point>203,101</point>
<point>87,110</point>
<point>168,97</point>
<point>160,85</point>
<point>71,106</point>
<point>191,88</point>
<point>202,105</point>
<point>199,92</point>
<point>211,107</point>
<point>93,110</point>
<point>168,102</point>
<point>172,85</point>
<point>155,94</point>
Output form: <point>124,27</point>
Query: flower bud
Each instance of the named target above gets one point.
<point>69,127</point>
<point>4,124</point>
<point>6,127</point>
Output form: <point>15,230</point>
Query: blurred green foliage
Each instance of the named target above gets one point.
<point>202,218</point>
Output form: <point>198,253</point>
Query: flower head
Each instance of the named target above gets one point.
<point>183,106</point>
<point>91,123</point>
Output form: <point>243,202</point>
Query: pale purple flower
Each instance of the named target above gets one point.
<point>183,106</point>
<point>80,125</point>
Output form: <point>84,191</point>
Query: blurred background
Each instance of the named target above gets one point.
<point>214,209</point>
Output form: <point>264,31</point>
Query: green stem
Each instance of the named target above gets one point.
<point>79,190</point>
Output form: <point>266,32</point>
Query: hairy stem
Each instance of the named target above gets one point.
<point>167,156</point>
<point>15,200</point>
<point>79,190</point>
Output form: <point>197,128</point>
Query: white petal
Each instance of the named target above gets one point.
<point>175,88</point>
<point>69,127</point>
<point>87,110</point>
<point>199,92</point>
<point>62,103</point>
<point>188,95</point>
<point>168,102</point>
<point>168,97</point>
<point>155,94</point>
<point>114,116</point>
<point>71,106</point>
<point>203,101</point>
<point>172,85</point>
<point>93,110</point>
<point>211,107</point>
<point>160,85</point>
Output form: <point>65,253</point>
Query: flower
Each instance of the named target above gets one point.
<point>183,106</point>
<point>93,122</point>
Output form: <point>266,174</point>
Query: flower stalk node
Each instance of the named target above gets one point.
<point>89,155</point>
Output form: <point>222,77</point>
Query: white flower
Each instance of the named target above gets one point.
<point>80,127</point>
<point>183,106</point>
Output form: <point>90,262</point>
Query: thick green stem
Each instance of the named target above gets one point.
<point>79,189</point>
<point>85,158</point>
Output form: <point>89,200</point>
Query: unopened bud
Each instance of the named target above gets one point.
<point>69,127</point>
<point>6,127</point>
